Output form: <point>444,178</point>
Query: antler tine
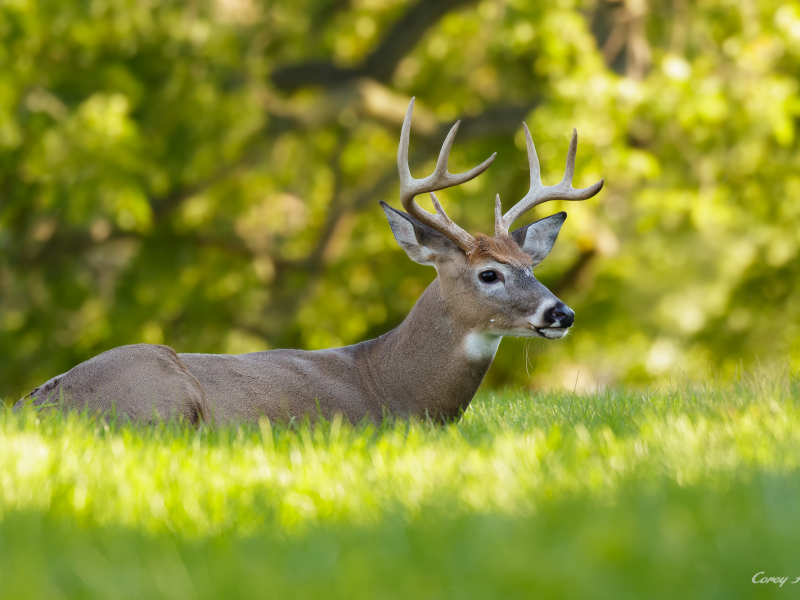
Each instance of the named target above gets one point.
<point>438,208</point>
<point>402,150</point>
<point>539,193</point>
<point>498,216</point>
<point>438,180</point>
<point>533,158</point>
<point>569,168</point>
<point>444,153</point>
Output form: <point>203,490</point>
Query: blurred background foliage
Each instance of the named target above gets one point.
<point>205,174</point>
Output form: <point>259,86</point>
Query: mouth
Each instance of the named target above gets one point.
<point>551,333</point>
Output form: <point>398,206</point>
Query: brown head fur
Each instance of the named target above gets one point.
<point>501,248</point>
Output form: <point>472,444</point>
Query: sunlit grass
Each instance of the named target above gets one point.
<point>653,469</point>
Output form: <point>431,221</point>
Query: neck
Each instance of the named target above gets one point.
<point>430,364</point>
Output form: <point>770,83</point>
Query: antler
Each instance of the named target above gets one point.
<point>542,193</point>
<point>440,179</point>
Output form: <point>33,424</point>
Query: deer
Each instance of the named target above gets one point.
<point>429,367</point>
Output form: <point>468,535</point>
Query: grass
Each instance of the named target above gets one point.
<point>689,491</point>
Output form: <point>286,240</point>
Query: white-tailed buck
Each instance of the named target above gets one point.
<point>432,364</point>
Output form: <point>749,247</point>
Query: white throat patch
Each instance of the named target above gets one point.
<point>480,346</point>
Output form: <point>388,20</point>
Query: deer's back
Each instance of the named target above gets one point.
<point>281,384</point>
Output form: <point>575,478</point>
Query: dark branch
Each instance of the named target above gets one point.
<point>405,34</point>
<point>495,121</point>
<point>320,73</point>
<point>382,61</point>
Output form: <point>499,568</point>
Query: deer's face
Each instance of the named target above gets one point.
<point>492,290</point>
<point>506,299</point>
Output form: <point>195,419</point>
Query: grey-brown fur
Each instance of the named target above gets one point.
<point>140,380</point>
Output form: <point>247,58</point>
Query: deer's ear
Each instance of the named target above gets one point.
<point>421,243</point>
<point>537,239</point>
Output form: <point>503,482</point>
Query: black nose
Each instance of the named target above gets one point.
<point>561,313</point>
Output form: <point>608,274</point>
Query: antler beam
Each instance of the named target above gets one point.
<point>539,193</point>
<point>440,179</point>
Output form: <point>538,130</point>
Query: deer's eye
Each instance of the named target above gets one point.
<point>488,276</point>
